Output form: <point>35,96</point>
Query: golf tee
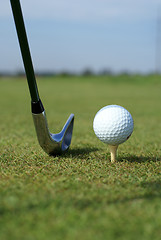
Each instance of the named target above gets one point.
<point>113,151</point>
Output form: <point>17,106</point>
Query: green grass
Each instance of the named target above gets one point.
<point>81,194</point>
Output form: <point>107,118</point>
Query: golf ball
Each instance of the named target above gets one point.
<point>113,124</point>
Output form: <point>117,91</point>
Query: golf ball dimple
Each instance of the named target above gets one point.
<point>113,124</point>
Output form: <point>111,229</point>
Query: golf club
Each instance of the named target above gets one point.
<point>51,143</point>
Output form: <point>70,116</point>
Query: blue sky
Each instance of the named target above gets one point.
<point>77,34</point>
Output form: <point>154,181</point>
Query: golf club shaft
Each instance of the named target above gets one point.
<point>25,51</point>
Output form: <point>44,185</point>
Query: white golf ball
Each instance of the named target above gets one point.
<point>113,124</point>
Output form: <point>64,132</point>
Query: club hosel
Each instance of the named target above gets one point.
<point>37,107</point>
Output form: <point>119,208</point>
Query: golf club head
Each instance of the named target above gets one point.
<point>52,144</point>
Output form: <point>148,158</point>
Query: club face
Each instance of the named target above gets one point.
<point>53,143</point>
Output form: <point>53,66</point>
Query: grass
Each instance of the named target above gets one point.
<point>81,194</point>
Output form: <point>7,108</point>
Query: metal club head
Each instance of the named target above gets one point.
<point>53,143</point>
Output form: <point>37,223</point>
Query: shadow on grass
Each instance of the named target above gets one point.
<point>80,152</point>
<point>138,159</point>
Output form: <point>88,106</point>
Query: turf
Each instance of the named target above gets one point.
<point>81,194</point>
